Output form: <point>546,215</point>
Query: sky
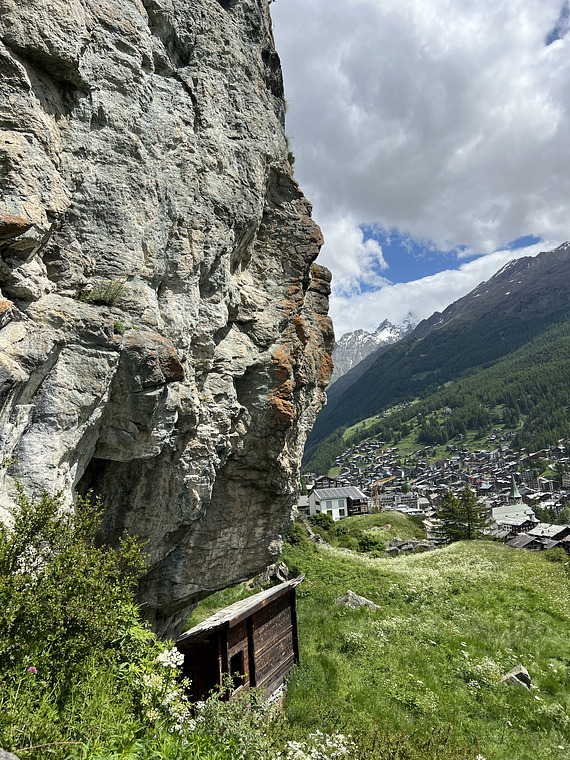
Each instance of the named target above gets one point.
<point>432,138</point>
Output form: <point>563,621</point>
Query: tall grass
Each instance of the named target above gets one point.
<point>81,678</point>
<point>451,624</point>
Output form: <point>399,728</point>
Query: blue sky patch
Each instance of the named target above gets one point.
<point>410,259</point>
<point>560,29</point>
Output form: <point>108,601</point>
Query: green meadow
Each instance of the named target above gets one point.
<point>427,666</point>
<point>417,678</point>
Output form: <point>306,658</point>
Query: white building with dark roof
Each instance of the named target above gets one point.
<point>338,502</point>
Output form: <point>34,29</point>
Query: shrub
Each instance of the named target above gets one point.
<point>322,521</point>
<point>557,555</point>
<point>297,535</point>
<point>73,652</point>
<point>105,293</point>
<point>368,542</point>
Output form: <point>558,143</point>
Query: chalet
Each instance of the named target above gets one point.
<point>508,527</point>
<point>254,641</point>
<point>524,541</point>
<point>338,502</point>
<point>303,505</point>
<point>550,532</point>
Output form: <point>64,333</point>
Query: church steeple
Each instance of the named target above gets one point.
<point>514,496</point>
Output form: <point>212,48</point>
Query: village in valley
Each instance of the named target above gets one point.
<point>524,496</point>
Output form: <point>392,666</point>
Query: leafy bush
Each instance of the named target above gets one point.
<point>75,659</point>
<point>297,535</point>
<point>322,521</point>
<point>51,570</point>
<point>368,542</point>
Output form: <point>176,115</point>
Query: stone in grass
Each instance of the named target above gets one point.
<point>273,574</point>
<point>7,755</point>
<point>355,602</point>
<point>518,676</point>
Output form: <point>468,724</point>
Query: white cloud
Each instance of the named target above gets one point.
<point>363,263</point>
<point>448,121</point>
<point>424,296</point>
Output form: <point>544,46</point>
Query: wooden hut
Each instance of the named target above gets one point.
<point>255,638</point>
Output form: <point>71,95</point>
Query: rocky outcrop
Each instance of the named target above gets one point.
<point>164,337</point>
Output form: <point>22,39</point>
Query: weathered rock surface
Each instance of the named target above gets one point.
<point>355,602</point>
<point>164,336</point>
<point>405,545</point>
<point>519,676</point>
<point>276,573</point>
<point>7,755</point>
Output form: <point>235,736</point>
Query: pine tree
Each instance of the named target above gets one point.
<point>462,518</point>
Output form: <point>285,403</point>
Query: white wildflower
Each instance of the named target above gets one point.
<point>171,658</point>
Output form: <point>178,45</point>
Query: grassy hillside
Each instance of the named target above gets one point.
<point>81,678</point>
<point>429,662</point>
<point>372,532</point>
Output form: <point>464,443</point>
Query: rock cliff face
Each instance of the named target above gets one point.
<point>164,337</point>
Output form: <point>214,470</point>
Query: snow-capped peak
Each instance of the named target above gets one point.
<point>351,348</point>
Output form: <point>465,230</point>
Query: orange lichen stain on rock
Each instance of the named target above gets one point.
<point>300,328</point>
<point>325,326</point>
<point>283,411</point>
<point>288,306</point>
<point>12,226</point>
<point>280,398</point>
<point>326,367</point>
<point>5,306</point>
<point>281,365</point>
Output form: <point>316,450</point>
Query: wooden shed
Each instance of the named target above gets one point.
<point>256,638</point>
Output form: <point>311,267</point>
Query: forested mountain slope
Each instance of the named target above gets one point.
<point>523,305</point>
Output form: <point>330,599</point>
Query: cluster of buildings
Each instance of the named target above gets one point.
<point>372,478</point>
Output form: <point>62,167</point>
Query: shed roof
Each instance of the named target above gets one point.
<point>350,492</point>
<point>239,610</point>
<point>520,541</point>
<point>551,543</point>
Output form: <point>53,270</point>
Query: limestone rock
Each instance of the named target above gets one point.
<point>7,755</point>
<point>164,336</point>
<point>276,573</point>
<point>355,602</point>
<point>519,676</point>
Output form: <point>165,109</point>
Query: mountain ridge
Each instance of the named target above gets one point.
<point>519,302</point>
<point>353,347</point>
